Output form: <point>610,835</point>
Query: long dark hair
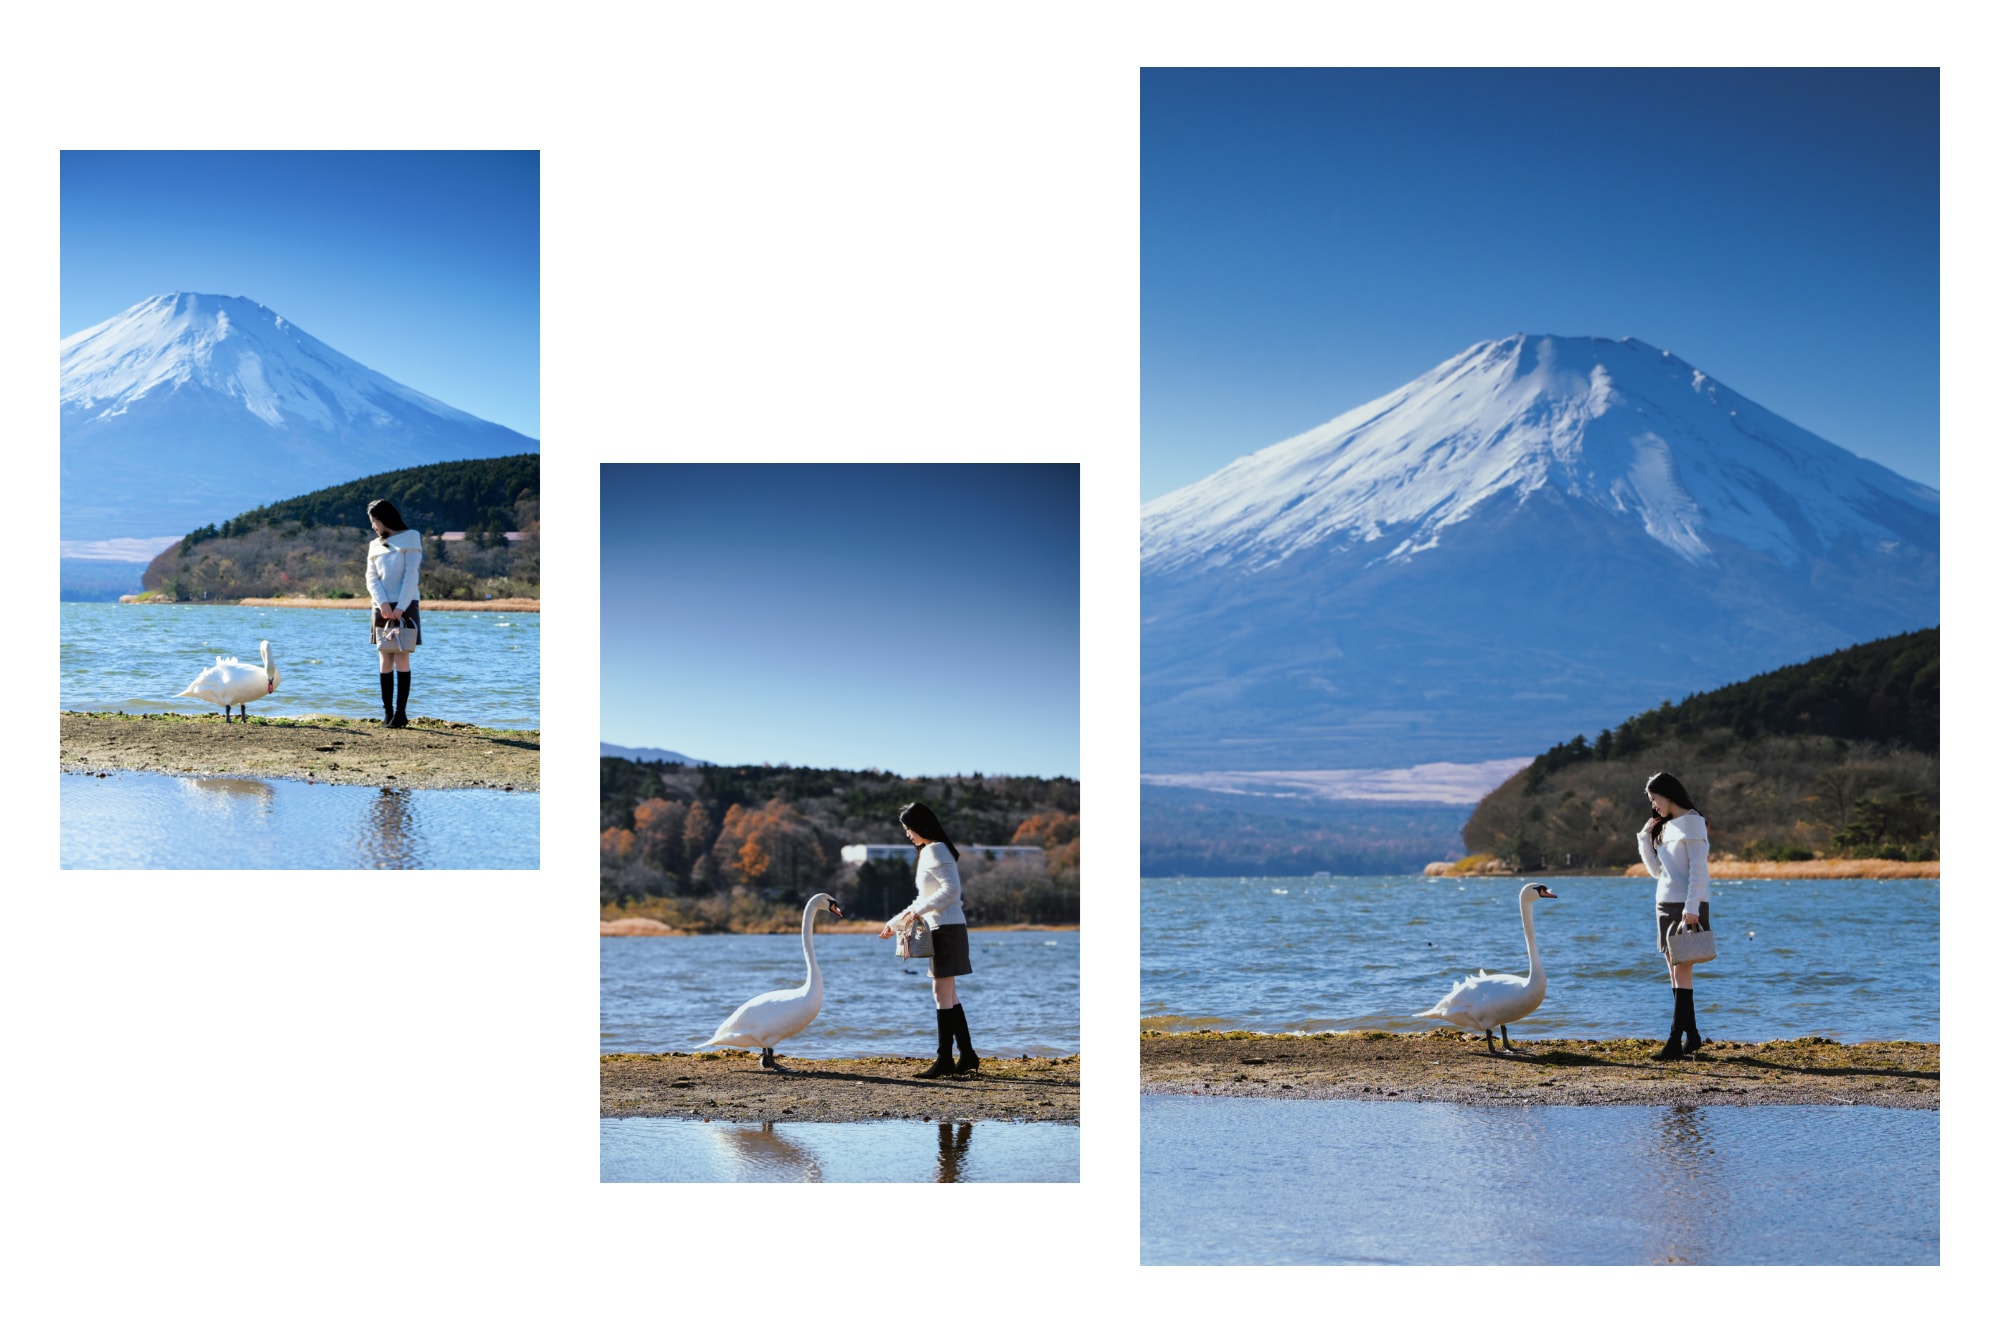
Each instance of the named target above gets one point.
<point>385,513</point>
<point>919,819</point>
<point>1667,785</point>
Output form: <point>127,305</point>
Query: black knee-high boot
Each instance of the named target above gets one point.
<point>1672,1050</point>
<point>402,718</point>
<point>967,1060</point>
<point>943,1063</point>
<point>388,697</point>
<point>1684,1018</point>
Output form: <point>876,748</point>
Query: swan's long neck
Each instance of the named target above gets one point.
<point>813,979</point>
<point>1528,929</point>
<point>264,650</point>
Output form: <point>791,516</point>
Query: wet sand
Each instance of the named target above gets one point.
<point>728,1085</point>
<point>1448,1066</point>
<point>428,753</point>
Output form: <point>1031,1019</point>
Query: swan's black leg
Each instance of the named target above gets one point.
<point>770,1059</point>
<point>1489,1042</point>
<point>1505,1045</point>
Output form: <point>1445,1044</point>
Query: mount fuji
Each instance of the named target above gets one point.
<point>1539,538</point>
<point>189,409</point>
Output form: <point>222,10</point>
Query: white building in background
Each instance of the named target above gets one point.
<point>858,853</point>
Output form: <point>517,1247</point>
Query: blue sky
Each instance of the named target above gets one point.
<point>917,618</point>
<point>424,266</point>
<point>1313,239</point>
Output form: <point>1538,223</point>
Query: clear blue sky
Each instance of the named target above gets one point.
<point>423,266</point>
<point>1313,239</point>
<point>916,618</point>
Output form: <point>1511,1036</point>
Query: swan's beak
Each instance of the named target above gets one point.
<point>834,908</point>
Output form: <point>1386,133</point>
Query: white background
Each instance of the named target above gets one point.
<point>775,232</point>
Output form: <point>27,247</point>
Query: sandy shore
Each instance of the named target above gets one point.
<point>728,1085</point>
<point>426,754</point>
<point>645,925</point>
<point>1448,1066</point>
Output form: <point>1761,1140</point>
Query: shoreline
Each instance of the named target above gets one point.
<point>1447,1065</point>
<point>726,1084</point>
<point>1721,869</point>
<point>429,754</point>
<point>645,925</point>
<point>521,605</point>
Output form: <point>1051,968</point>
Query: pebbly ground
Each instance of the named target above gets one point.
<point>728,1085</point>
<point>1447,1066</point>
<point>426,754</point>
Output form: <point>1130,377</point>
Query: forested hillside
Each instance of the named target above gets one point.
<point>1837,756</point>
<point>717,838</point>
<point>314,545</point>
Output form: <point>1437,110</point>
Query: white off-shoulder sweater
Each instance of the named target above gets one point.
<point>1680,862</point>
<point>938,892</point>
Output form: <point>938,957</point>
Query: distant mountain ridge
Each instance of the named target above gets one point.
<point>1541,532</point>
<point>189,407</point>
<point>606,750</point>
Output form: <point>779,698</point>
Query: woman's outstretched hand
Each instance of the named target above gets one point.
<point>886,932</point>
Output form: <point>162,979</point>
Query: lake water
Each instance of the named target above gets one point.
<point>475,666</point>
<point>1854,960</point>
<point>1243,1180</point>
<point>644,1149</point>
<point>668,993</point>
<point>153,821</point>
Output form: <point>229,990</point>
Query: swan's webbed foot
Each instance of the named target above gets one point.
<point>769,1060</point>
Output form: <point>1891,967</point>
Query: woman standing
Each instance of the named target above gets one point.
<point>393,558</point>
<point>1674,846</point>
<point>938,899</point>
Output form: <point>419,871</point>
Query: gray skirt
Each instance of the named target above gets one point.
<point>951,952</point>
<point>377,620</point>
<point>1672,912</point>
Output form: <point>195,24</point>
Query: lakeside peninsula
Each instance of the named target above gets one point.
<point>429,753</point>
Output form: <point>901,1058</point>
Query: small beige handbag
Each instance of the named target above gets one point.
<point>916,941</point>
<point>1689,944</point>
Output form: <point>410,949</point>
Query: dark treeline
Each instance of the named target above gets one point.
<point>1833,757</point>
<point>315,545</point>
<point>728,842</point>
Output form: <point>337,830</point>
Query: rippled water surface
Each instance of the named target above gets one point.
<point>1850,959</point>
<point>152,821</point>
<point>639,1149</point>
<point>475,666</point>
<point>1265,1181</point>
<point>665,993</point>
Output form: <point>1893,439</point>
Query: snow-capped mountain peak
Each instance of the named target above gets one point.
<point>190,408</point>
<point>1626,428</point>
<point>234,347</point>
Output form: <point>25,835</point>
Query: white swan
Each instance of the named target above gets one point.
<point>230,682</point>
<point>776,1015</point>
<point>1495,999</point>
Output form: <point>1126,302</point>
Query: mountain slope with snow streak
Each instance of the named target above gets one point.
<point>1539,537</point>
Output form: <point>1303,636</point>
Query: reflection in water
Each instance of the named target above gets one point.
<point>388,835</point>
<point>951,1150</point>
<point>1691,1189</point>
<point>1235,1180</point>
<point>646,1148</point>
<point>228,792</point>
<point>157,821</point>
<point>759,1152</point>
